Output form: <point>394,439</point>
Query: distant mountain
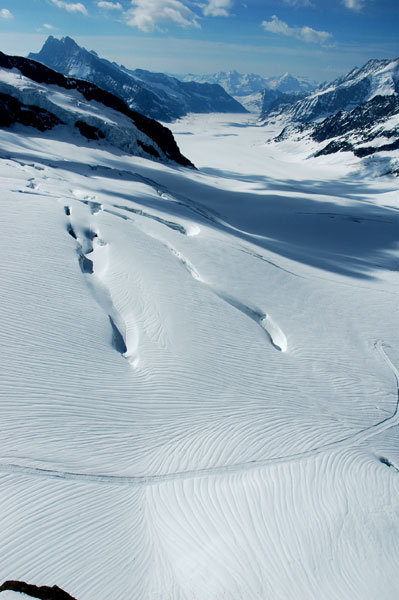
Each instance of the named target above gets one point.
<point>357,113</point>
<point>288,84</point>
<point>34,95</point>
<point>238,84</point>
<point>275,101</point>
<point>375,78</point>
<point>156,95</point>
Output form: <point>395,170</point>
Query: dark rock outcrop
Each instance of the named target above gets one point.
<point>43,592</point>
<point>88,131</point>
<point>13,111</point>
<point>367,150</point>
<point>361,118</point>
<point>352,129</point>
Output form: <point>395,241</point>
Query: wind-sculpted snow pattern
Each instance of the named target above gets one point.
<point>199,383</point>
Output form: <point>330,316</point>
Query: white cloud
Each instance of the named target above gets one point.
<point>110,5</point>
<point>355,5</point>
<point>306,34</point>
<point>6,14</point>
<point>299,3</point>
<point>48,26</point>
<point>71,6</point>
<point>148,14</point>
<point>217,8</point>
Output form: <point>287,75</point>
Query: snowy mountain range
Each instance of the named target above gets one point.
<point>34,95</point>
<point>375,78</point>
<point>255,92</point>
<point>356,113</point>
<point>239,84</point>
<point>155,95</point>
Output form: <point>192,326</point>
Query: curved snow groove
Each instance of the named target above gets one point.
<point>277,336</point>
<point>195,207</point>
<point>97,288</point>
<point>142,480</point>
<point>273,331</point>
<point>269,262</point>
<point>171,224</point>
<point>186,263</point>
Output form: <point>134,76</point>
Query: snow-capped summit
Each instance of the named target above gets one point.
<point>235,83</point>
<point>287,83</point>
<point>34,95</point>
<point>156,95</point>
<point>244,84</point>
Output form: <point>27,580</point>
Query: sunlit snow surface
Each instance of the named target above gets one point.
<point>199,376</point>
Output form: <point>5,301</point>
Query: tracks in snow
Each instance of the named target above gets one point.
<point>143,480</point>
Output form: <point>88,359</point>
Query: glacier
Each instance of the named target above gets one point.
<point>199,382</point>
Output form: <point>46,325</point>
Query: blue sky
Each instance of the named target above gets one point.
<point>320,39</point>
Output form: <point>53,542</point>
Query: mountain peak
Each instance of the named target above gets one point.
<point>156,95</point>
<point>55,47</point>
<point>68,41</point>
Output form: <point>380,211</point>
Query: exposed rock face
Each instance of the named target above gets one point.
<point>43,592</point>
<point>352,130</point>
<point>89,132</point>
<point>359,119</point>
<point>156,95</point>
<point>13,111</point>
<point>153,133</point>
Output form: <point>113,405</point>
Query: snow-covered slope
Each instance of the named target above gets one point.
<point>370,128</point>
<point>156,95</point>
<point>34,95</point>
<point>199,384</point>
<point>375,78</point>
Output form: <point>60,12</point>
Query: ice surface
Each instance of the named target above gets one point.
<point>207,409</point>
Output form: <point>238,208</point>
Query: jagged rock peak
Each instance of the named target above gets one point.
<point>139,88</point>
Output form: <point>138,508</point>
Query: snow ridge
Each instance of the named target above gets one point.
<point>104,115</point>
